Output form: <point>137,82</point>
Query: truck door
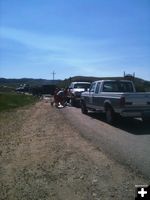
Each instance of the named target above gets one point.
<point>91,93</point>
<point>96,99</point>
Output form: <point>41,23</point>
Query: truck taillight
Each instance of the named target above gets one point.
<point>122,101</point>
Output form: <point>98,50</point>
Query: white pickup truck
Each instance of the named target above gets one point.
<point>75,90</point>
<point>116,97</point>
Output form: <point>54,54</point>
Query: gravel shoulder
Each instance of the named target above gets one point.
<point>43,156</point>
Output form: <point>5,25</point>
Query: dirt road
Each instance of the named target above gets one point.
<point>127,141</point>
<point>43,157</point>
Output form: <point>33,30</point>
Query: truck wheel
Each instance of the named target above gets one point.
<point>109,115</point>
<point>84,108</point>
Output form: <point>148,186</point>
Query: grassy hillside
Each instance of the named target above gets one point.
<point>12,100</point>
<point>11,84</point>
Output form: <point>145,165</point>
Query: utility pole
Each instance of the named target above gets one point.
<point>53,75</point>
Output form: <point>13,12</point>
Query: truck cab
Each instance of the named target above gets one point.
<point>116,97</point>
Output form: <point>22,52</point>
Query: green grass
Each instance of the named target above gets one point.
<point>12,100</point>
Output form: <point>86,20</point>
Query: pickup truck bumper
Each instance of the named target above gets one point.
<point>135,113</point>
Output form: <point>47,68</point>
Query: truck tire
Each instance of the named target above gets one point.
<point>109,115</point>
<point>83,108</point>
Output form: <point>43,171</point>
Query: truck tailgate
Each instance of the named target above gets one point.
<point>138,99</point>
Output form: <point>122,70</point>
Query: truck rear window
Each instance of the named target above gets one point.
<point>117,86</point>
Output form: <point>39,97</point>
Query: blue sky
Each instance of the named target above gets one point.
<point>74,37</point>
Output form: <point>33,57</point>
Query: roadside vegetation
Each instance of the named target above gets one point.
<point>12,100</point>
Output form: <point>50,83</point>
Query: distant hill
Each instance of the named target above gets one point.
<point>91,78</point>
<point>10,84</point>
<point>28,81</point>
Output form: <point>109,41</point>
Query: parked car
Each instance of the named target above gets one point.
<point>75,90</point>
<point>116,97</point>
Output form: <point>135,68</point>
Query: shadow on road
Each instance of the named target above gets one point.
<point>133,126</point>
